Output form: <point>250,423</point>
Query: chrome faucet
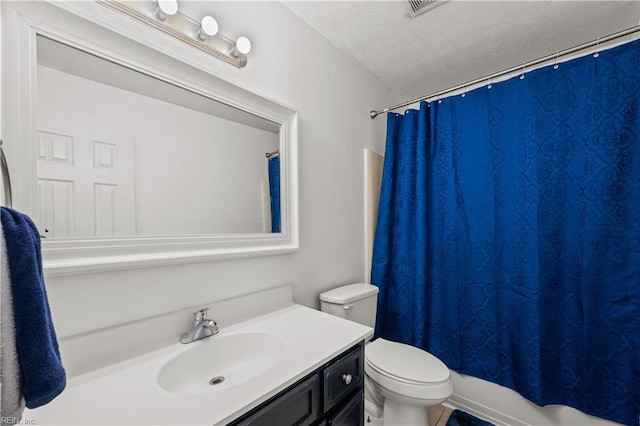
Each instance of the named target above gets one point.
<point>202,327</point>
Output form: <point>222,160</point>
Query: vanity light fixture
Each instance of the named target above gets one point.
<point>203,34</point>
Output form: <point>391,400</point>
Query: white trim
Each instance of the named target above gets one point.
<point>371,196</point>
<point>99,31</point>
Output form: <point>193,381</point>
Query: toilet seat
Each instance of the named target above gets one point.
<point>405,363</point>
<point>407,370</point>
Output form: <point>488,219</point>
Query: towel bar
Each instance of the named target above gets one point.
<point>6,179</point>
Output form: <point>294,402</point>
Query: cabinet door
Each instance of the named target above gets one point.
<point>351,414</point>
<point>298,406</point>
<point>343,377</point>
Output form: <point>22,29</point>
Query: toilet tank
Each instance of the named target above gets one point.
<point>355,302</point>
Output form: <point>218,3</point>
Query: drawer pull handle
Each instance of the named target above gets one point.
<point>347,378</point>
<point>348,307</point>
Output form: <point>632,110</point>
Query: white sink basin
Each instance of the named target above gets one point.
<point>220,362</point>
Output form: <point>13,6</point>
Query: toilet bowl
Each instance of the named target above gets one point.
<point>401,381</point>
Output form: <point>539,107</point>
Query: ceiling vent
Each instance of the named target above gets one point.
<point>418,7</point>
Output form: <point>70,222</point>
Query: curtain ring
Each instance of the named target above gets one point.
<point>595,55</point>
<point>555,65</point>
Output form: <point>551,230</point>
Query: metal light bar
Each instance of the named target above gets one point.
<point>181,27</point>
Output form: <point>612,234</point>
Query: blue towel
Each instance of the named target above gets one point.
<point>38,353</point>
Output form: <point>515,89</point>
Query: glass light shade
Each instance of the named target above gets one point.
<point>166,8</point>
<point>208,28</point>
<point>242,46</point>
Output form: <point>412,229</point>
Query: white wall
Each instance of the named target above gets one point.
<point>1,177</point>
<point>294,65</point>
<point>194,173</point>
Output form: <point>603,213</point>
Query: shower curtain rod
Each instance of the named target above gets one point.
<point>520,68</point>
<point>272,154</point>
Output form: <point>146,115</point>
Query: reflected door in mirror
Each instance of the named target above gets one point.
<point>85,184</point>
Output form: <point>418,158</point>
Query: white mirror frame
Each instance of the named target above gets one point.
<point>102,32</point>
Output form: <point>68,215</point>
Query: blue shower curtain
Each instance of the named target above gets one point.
<point>508,236</point>
<point>274,191</point>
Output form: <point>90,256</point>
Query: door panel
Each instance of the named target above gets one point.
<point>86,180</point>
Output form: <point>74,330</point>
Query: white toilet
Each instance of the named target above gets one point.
<point>401,381</point>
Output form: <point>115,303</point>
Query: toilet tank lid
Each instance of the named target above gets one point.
<point>349,293</point>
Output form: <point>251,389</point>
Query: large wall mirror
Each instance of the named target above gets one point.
<point>126,156</point>
<point>121,153</point>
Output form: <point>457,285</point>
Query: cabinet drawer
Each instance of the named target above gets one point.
<point>297,406</point>
<point>351,414</point>
<point>343,377</point>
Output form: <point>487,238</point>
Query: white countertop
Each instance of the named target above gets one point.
<point>128,393</point>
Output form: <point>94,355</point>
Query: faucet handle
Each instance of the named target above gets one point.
<point>201,314</point>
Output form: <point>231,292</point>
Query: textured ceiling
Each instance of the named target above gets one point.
<point>459,40</point>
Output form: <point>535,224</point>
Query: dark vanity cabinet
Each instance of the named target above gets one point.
<point>333,395</point>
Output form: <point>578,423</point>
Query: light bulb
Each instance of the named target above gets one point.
<point>166,8</point>
<point>208,28</point>
<point>241,47</point>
